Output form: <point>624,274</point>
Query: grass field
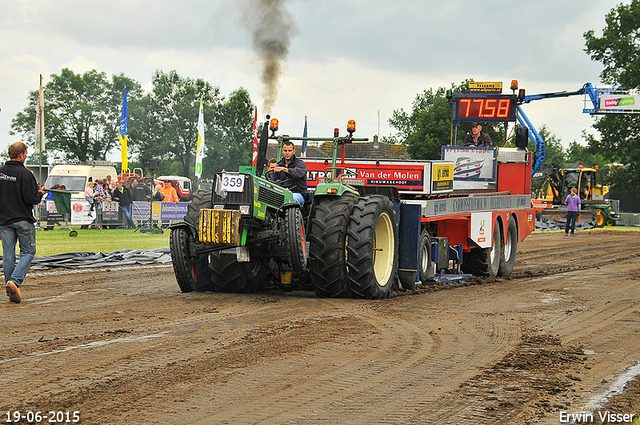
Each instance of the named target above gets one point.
<point>57,241</point>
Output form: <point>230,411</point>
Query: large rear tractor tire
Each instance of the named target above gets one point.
<point>508,257</point>
<point>229,275</point>
<point>190,276</point>
<point>201,200</point>
<point>327,233</point>
<point>485,261</point>
<point>372,248</point>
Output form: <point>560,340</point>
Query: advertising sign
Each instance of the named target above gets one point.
<point>473,168</point>
<point>169,211</point>
<point>482,229</point>
<point>109,212</point>
<point>142,210</point>
<point>412,177</point>
<point>620,102</point>
<point>52,212</point>
<point>80,212</point>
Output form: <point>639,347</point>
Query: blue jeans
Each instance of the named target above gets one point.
<point>91,202</point>
<point>23,232</point>
<point>127,212</point>
<point>572,216</point>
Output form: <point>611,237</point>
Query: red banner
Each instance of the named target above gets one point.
<point>255,139</point>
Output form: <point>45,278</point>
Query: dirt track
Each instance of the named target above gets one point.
<point>126,347</point>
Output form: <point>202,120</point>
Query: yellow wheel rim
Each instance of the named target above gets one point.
<point>383,249</point>
<point>599,218</point>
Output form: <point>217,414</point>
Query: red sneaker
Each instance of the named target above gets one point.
<point>14,292</point>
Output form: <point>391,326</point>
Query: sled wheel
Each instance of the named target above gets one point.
<point>508,258</point>
<point>485,261</point>
<point>427,269</point>
<point>190,276</point>
<point>372,248</point>
<point>328,224</point>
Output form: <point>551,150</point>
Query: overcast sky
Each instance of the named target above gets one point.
<point>346,59</point>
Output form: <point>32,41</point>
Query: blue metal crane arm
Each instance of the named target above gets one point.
<point>588,90</point>
<point>538,141</point>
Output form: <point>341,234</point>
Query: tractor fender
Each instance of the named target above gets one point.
<point>184,225</point>
<point>283,209</point>
<point>192,238</point>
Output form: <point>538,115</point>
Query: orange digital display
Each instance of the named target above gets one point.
<point>485,108</point>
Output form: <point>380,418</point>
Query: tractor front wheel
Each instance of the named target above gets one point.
<point>296,241</point>
<point>190,276</point>
<point>230,275</point>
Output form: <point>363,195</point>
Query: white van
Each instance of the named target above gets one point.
<point>75,177</point>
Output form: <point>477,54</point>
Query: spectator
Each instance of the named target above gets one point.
<point>573,210</point>
<point>169,193</point>
<point>99,192</point>
<point>157,193</point>
<point>140,191</point>
<point>122,195</point>
<point>19,192</point>
<point>90,195</point>
<point>107,190</point>
<point>49,196</point>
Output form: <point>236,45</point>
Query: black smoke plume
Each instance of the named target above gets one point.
<point>271,27</point>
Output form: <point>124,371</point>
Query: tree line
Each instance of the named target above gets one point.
<point>82,115</point>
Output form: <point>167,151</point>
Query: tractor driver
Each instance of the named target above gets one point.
<point>477,138</point>
<point>292,171</point>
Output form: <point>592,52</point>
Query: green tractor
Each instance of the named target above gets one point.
<point>249,229</point>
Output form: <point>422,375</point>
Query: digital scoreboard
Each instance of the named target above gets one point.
<point>491,107</point>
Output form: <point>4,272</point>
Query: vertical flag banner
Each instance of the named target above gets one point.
<point>255,139</point>
<point>303,153</point>
<point>40,120</point>
<point>122,133</point>
<point>200,145</point>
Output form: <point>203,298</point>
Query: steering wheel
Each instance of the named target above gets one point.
<point>288,182</point>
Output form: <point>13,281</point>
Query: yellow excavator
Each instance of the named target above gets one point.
<point>557,186</point>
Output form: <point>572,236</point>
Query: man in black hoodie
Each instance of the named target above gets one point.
<point>122,194</point>
<point>18,194</point>
<point>292,172</point>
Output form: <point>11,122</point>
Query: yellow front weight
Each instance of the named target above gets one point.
<point>220,227</point>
